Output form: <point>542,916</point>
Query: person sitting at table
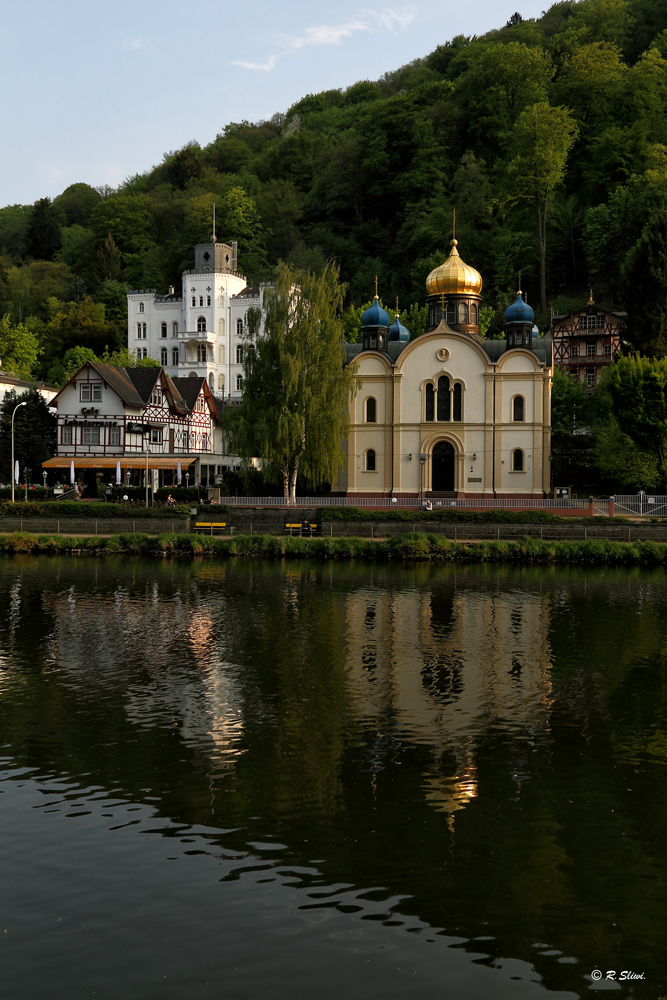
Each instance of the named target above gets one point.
<point>170,501</point>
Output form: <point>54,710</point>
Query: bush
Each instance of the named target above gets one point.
<point>95,511</point>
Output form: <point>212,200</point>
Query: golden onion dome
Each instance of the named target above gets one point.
<point>454,277</point>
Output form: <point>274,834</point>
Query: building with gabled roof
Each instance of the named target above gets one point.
<point>587,341</point>
<point>140,418</point>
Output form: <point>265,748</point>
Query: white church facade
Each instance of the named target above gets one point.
<point>450,414</point>
<point>199,333</point>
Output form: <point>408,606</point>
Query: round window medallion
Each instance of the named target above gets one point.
<point>442,354</point>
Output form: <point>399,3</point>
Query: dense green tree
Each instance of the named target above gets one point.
<point>294,411</point>
<point>645,288</point>
<point>34,434</point>
<point>76,203</point>
<point>570,416</point>
<point>43,238</point>
<point>19,349</point>
<point>638,390</point>
<point>541,141</point>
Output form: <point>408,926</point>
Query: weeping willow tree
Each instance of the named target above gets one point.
<point>294,413</point>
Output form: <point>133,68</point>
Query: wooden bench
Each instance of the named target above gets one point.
<point>296,529</point>
<point>211,526</point>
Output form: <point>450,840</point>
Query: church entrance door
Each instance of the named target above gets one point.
<point>443,468</point>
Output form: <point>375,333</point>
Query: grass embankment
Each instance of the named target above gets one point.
<point>420,547</point>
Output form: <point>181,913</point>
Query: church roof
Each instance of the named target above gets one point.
<point>454,276</point>
<point>519,311</point>
<point>376,316</point>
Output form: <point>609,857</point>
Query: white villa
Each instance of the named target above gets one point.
<point>198,333</point>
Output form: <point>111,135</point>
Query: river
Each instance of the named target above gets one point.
<point>237,780</point>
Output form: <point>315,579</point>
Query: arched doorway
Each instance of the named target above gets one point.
<point>442,478</point>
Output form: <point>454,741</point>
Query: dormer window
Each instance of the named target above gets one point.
<point>156,396</point>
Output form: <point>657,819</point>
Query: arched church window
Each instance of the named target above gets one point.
<point>163,330</point>
<point>239,355</point>
<point>371,410</point>
<point>174,329</point>
<point>239,383</point>
<point>473,314</point>
<point>517,460</point>
<point>370,460</point>
<point>221,383</point>
<point>239,327</point>
<point>444,402</point>
<point>430,402</point>
<point>458,401</point>
<point>518,408</point>
<point>463,312</point>
<point>450,314</point>
<point>201,352</point>
<point>163,356</point>
<point>174,356</point>
<point>201,325</point>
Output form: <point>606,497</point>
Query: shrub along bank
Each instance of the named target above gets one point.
<point>420,547</point>
<point>95,511</point>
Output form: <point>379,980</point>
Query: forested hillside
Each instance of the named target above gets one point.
<point>564,115</point>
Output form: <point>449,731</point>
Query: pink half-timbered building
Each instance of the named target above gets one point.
<point>137,417</point>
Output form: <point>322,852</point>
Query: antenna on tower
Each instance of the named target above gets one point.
<point>213,237</point>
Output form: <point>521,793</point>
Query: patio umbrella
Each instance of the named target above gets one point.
<point>119,478</point>
<point>16,471</point>
<point>72,477</point>
<point>178,473</point>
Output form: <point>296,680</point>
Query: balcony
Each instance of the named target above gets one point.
<point>201,336</point>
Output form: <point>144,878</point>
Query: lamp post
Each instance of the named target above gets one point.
<point>44,478</point>
<point>422,463</point>
<point>13,415</point>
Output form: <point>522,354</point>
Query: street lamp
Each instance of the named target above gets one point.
<point>24,403</point>
<point>422,463</point>
<point>44,478</point>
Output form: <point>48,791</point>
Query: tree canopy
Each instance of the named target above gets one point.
<point>294,411</point>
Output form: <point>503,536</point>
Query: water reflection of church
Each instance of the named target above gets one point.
<point>450,413</point>
<point>446,665</point>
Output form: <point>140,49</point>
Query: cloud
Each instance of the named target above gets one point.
<point>133,43</point>
<point>370,20</point>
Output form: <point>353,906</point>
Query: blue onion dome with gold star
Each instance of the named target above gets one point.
<point>397,332</point>
<point>375,316</point>
<point>519,311</point>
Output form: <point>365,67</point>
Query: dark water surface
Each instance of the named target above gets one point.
<point>248,780</point>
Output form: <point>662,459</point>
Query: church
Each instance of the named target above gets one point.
<point>449,414</point>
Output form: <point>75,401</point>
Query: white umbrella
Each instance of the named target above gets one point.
<point>119,478</point>
<point>16,471</point>
<point>72,477</point>
<point>178,473</point>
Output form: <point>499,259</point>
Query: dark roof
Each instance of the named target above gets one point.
<point>119,381</point>
<point>585,309</point>
<point>143,380</point>
<point>135,385</point>
<point>189,389</point>
<point>250,290</point>
<point>543,348</point>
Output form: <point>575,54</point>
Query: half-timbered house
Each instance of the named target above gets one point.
<point>586,341</point>
<point>139,418</point>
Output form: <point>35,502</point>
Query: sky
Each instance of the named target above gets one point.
<point>98,92</point>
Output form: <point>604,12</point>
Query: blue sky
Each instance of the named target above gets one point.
<point>98,92</point>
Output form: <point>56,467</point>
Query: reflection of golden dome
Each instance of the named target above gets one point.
<point>454,276</point>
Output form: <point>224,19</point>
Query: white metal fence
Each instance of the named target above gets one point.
<point>640,505</point>
<point>410,503</point>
